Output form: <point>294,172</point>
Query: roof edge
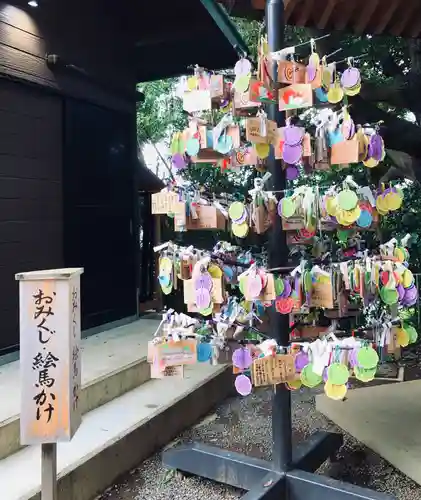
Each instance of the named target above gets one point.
<point>226,25</point>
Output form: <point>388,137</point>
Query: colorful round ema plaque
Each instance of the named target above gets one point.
<point>279,286</point>
<point>294,385</point>
<point>412,333</point>
<point>367,358</point>
<point>284,305</point>
<point>399,253</point>
<point>293,135</point>
<point>370,162</point>
<point>402,337</point>
<point>309,378</point>
<point>321,95</point>
<point>241,358</point>
<point>192,83</point>
<point>236,210</point>
<point>207,311</point>
<point>350,78</point>
<point>243,385</point>
<point>292,154</point>
<point>365,374</point>
<point>242,67</point>
<point>192,147</point>
<point>393,200</point>
<point>202,298</point>
<point>262,150</point>
<point>240,230</point>
<point>365,219</point>
<point>253,286</point>
<point>301,361</point>
<point>215,271</point>
<point>224,144</point>
<point>165,265</point>
<point>338,374</point>
<point>292,173</point>
<point>335,392</point>
<point>242,83</point>
<point>204,281</point>
<point>335,94</point>
<point>311,71</point>
<point>347,199</point>
<point>331,203</point>
<point>177,144</point>
<point>286,207</point>
<point>178,161</point>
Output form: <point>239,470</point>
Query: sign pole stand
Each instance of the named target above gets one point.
<point>49,471</point>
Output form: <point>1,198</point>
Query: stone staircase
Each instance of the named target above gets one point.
<point>127,416</point>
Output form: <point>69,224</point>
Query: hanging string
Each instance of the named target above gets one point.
<point>333,53</point>
<point>291,50</point>
<point>312,40</point>
<point>354,58</point>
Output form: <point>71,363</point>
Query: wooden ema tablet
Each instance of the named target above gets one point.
<point>217,293</point>
<point>272,370</point>
<point>172,353</point>
<point>164,203</point>
<point>253,130</point>
<point>322,295</point>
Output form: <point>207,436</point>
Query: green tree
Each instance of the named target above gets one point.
<point>161,112</point>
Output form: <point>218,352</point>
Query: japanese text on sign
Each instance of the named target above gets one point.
<point>44,362</point>
<point>75,347</point>
<point>272,370</point>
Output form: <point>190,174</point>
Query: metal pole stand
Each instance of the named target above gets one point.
<point>49,471</point>
<point>289,476</point>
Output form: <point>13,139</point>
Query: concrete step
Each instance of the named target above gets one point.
<point>113,363</point>
<point>118,435</point>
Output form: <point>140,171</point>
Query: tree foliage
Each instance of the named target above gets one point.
<point>161,113</point>
<point>391,69</point>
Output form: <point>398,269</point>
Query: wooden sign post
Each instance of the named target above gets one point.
<point>50,364</point>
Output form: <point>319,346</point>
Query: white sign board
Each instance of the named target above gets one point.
<point>50,357</point>
<point>197,100</point>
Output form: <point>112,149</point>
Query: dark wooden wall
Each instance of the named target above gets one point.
<point>88,35</point>
<point>34,142</point>
<point>99,223</point>
<point>30,193</point>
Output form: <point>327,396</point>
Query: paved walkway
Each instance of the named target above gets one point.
<point>244,425</point>
<point>385,418</point>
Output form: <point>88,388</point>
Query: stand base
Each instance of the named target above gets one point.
<point>263,482</point>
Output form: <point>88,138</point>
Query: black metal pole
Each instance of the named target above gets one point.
<point>278,256</point>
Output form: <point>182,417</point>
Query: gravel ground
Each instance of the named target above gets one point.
<point>244,425</point>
